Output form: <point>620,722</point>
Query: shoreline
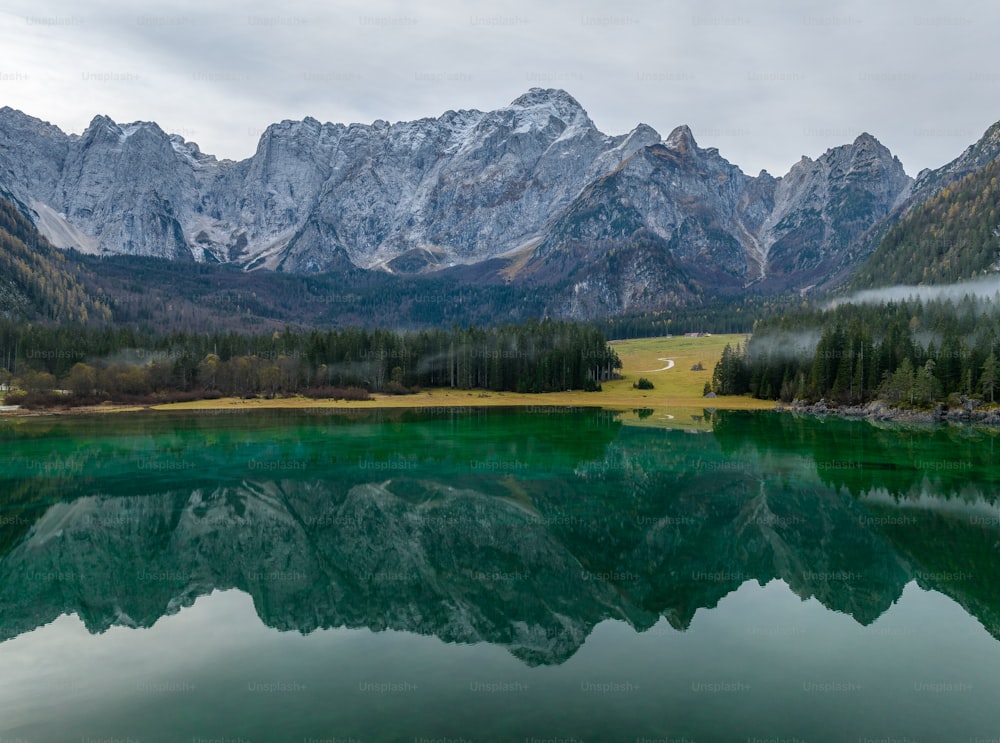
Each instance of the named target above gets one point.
<point>422,400</point>
<point>678,395</point>
<point>878,411</point>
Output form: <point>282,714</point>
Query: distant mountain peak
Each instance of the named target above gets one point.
<point>554,102</point>
<point>644,130</point>
<point>543,96</point>
<point>101,120</point>
<point>682,140</point>
<point>101,123</point>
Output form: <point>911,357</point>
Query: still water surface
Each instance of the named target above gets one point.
<point>472,575</point>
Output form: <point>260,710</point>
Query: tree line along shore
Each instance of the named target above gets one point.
<point>52,366</point>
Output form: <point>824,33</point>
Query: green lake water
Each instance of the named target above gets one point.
<point>496,575</point>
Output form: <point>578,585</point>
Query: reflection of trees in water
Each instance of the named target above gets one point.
<point>862,457</point>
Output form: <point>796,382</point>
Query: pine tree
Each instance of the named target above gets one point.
<point>989,377</point>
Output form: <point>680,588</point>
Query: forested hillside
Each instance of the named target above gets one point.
<point>36,280</point>
<point>953,236</point>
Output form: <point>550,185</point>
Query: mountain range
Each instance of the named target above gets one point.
<point>531,194</point>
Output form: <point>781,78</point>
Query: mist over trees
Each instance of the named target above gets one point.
<point>908,353</point>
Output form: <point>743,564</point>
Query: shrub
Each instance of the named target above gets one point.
<point>16,397</point>
<point>38,400</point>
<point>355,393</point>
<point>395,388</point>
<point>124,398</point>
<point>337,393</point>
<point>643,384</point>
<point>182,396</point>
<point>75,401</point>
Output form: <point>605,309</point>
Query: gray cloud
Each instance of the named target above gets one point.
<point>765,82</point>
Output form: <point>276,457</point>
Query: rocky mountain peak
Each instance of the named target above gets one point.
<point>866,143</point>
<point>102,127</point>
<point>645,131</point>
<point>554,97</point>
<point>682,140</point>
<point>12,114</point>
<point>101,123</point>
<point>867,140</point>
<point>865,162</point>
<point>539,103</point>
<point>864,146</point>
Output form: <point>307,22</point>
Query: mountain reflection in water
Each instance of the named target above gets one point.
<point>520,530</point>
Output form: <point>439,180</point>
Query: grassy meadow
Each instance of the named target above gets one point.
<point>676,401</point>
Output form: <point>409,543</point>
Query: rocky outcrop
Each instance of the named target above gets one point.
<point>878,410</point>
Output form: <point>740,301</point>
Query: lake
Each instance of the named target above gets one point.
<point>479,575</point>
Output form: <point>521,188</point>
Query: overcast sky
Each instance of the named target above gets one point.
<point>764,81</point>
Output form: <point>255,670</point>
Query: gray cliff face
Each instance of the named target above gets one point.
<point>533,180</point>
<point>727,229</point>
<point>32,154</point>
<point>674,191</point>
<point>122,186</point>
<point>460,189</point>
<point>825,210</point>
<point>250,210</point>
